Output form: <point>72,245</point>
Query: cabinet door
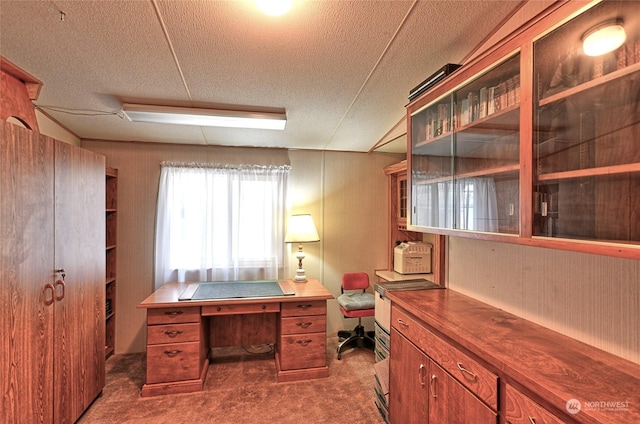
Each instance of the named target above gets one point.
<point>79,333</point>
<point>408,382</point>
<point>451,403</point>
<point>586,132</point>
<point>26,267</point>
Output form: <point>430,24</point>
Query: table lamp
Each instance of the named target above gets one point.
<point>301,229</point>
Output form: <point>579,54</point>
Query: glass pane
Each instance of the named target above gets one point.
<point>432,165</point>
<point>487,151</point>
<point>587,130</point>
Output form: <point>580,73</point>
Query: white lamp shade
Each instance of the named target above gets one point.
<point>301,229</point>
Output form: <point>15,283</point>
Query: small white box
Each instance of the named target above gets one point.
<point>412,257</point>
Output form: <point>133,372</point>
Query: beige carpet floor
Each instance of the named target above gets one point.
<point>241,388</point>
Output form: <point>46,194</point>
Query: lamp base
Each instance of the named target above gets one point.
<point>300,277</point>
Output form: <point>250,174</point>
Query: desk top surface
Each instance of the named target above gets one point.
<point>168,294</point>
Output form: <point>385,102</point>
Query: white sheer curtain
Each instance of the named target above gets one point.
<point>219,222</point>
<point>467,204</point>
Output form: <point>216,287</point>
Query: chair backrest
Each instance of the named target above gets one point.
<point>355,281</point>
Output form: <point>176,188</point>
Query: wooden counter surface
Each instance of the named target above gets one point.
<point>168,294</point>
<point>550,367</point>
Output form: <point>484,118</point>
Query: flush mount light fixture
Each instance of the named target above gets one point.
<point>604,38</point>
<point>204,117</point>
<point>274,7</point>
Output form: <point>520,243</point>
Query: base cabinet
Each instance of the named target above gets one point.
<point>455,359</point>
<point>423,392</point>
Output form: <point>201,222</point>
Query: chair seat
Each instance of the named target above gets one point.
<point>358,313</point>
<point>356,301</point>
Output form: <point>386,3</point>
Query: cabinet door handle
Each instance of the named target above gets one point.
<point>172,353</point>
<point>60,283</point>
<point>48,288</point>
<point>403,323</point>
<point>304,342</point>
<point>463,369</point>
<point>434,386</point>
<point>421,371</point>
<point>173,313</point>
<point>532,420</point>
<point>173,333</point>
<point>303,324</point>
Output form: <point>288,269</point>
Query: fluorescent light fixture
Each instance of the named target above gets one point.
<point>603,38</point>
<point>204,117</point>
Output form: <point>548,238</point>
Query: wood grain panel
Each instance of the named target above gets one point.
<point>26,265</point>
<point>79,249</point>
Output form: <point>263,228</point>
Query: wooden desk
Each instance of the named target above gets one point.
<point>180,334</point>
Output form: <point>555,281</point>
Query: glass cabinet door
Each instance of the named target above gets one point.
<point>587,129</point>
<point>432,165</point>
<point>466,155</point>
<point>487,151</point>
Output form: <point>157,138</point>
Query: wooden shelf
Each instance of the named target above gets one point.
<point>589,85</point>
<point>590,172</point>
<point>481,173</point>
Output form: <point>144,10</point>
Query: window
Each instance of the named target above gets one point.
<point>220,223</point>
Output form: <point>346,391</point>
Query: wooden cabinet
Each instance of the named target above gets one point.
<point>52,269</point>
<point>535,142</point>
<point>302,338</point>
<point>477,364</point>
<point>409,382</point>
<point>111,211</point>
<point>177,350</point>
<point>435,382</point>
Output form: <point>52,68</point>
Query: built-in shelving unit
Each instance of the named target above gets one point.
<point>534,142</point>
<point>111,208</point>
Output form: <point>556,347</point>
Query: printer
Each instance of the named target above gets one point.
<point>412,257</point>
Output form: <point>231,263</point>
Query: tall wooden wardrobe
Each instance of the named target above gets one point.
<point>52,270</point>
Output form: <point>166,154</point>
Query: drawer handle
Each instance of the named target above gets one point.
<point>173,333</point>
<point>532,420</point>
<point>218,309</point>
<point>403,323</point>
<point>304,324</point>
<point>304,306</point>
<point>421,369</point>
<point>173,313</point>
<point>264,307</point>
<point>434,386</point>
<point>463,369</point>
<point>172,353</point>
<point>304,342</point>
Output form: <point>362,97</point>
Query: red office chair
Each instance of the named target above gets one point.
<point>356,304</point>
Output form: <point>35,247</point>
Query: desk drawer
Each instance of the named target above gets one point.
<point>302,308</point>
<point>238,309</point>
<point>173,315</point>
<point>173,362</point>
<point>522,410</point>
<point>302,325</point>
<point>467,371</point>
<point>173,333</point>
<point>303,351</point>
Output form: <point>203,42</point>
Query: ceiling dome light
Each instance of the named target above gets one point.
<point>274,7</point>
<point>603,38</point>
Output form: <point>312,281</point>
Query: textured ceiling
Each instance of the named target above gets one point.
<point>341,69</point>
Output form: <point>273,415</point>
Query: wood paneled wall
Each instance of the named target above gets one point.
<point>595,299</point>
<point>344,192</point>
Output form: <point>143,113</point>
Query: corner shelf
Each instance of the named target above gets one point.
<point>111,231</point>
